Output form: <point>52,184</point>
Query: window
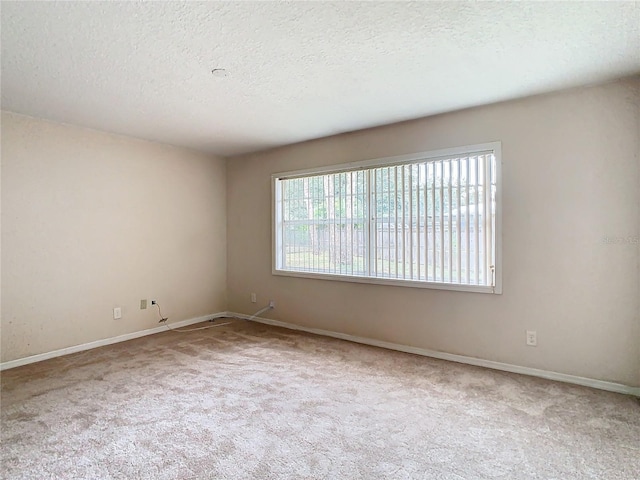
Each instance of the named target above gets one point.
<point>426,220</point>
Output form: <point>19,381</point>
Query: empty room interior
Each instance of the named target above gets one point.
<point>320,240</point>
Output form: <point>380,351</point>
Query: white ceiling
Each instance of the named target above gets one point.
<point>297,70</point>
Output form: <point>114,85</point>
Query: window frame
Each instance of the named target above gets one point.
<point>430,156</point>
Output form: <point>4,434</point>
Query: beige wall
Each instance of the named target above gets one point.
<point>571,176</point>
<point>91,221</point>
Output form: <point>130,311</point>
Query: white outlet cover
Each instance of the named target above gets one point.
<point>532,338</point>
<point>117,313</point>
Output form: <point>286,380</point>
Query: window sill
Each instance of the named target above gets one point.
<point>396,282</point>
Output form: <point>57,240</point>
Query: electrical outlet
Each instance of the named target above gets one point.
<point>254,299</point>
<point>117,313</point>
<point>532,338</point>
<point>143,304</point>
<point>153,302</point>
<point>272,304</point>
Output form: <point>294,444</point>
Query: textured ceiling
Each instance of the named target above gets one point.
<point>297,70</point>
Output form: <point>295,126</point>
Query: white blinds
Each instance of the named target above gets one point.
<point>424,221</point>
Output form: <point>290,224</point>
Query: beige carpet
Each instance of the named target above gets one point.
<point>253,401</point>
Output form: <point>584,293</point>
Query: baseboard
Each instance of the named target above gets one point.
<point>534,372</point>
<point>561,377</point>
<point>106,341</point>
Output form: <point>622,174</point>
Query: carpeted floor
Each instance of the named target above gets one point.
<point>253,401</point>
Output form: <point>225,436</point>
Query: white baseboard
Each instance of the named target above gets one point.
<point>106,341</point>
<point>534,372</point>
<point>561,377</point>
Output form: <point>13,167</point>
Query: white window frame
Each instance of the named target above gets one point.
<point>494,147</point>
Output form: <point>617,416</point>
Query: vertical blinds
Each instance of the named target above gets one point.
<point>425,221</point>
